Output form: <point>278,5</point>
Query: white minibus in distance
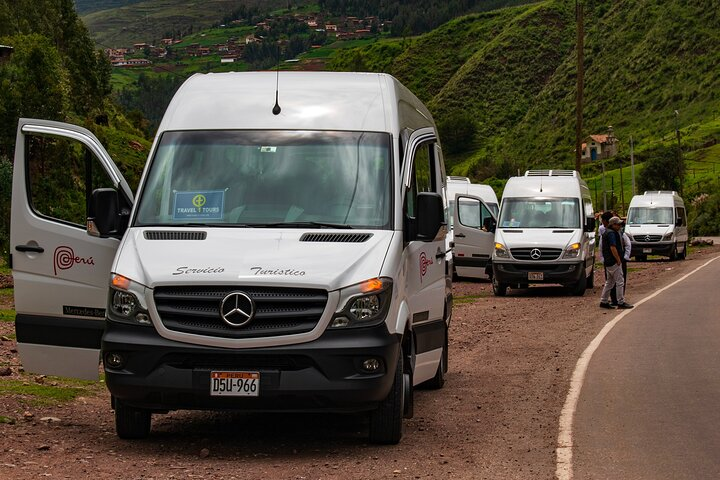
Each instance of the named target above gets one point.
<point>657,225</point>
<point>545,233</point>
<point>285,250</point>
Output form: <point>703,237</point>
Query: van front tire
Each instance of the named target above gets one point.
<point>499,289</point>
<point>131,422</point>
<point>438,381</point>
<point>579,288</point>
<point>386,422</point>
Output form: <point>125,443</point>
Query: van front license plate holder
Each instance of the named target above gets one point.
<point>234,384</point>
<point>537,276</point>
<point>647,250</point>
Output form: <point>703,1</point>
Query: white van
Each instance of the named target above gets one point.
<point>288,257</point>
<point>657,225</point>
<point>471,225</point>
<point>545,233</point>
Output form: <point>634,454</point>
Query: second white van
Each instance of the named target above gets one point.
<point>657,225</point>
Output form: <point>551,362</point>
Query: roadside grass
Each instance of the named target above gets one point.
<point>465,299</point>
<point>7,316</point>
<point>52,391</point>
<point>4,269</point>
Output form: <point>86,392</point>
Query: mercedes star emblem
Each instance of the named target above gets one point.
<point>535,254</point>
<point>647,238</point>
<point>237,309</point>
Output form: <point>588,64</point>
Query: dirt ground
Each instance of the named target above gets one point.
<point>510,363</point>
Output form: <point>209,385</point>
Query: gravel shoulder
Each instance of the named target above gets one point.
<point>510,363</point>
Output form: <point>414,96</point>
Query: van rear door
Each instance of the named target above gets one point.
<point>474,238</point>
<point>61,273</point>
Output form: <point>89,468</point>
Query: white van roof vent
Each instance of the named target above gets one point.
<point>551,173</point>
<point>174,235</point>
<point>454,178</point>
<point>336,237</point>
<point>661,192</point>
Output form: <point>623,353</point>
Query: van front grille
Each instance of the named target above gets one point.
<point>535,253</point>
<point>647,238</point>
<point>278,311</point>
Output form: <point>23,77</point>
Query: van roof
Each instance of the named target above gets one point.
<point>538,185</point>
<point>659,198</point>
<point>308,101</point>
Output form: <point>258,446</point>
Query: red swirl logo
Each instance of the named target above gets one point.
<point>424,262</point>
<point>65,258</point>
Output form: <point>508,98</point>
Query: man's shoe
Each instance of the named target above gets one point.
<point>624,305</point>
<point>606,305</point>
<point>613,304</point>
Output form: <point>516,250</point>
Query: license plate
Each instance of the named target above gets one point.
<point>535,276</point>
<point>647,250</point>
<point>234,384</point>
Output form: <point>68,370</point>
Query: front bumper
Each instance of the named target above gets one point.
<point>651,248</point>
<point>324,374</point>
<point>512,273</point>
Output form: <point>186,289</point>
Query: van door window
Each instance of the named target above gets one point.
<point>681,215</point>
<point>423,176</point>
<point>472,213</point>
<point>62,174</point>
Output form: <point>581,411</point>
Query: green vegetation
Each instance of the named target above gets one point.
<point>46,393</point>
<point>463,299</point>
<point>7,315</point>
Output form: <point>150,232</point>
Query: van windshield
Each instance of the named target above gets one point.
<point>269,179</point>
<point>650,215</point>
<point>540,213</point>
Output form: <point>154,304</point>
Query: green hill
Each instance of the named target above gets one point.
<point>152,20</point>
<point>511,74</point>
<point>84,7</point>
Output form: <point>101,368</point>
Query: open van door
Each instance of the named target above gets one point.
<point>474,230</point>
<point>61,272</point>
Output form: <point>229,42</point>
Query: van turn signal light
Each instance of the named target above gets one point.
<point>118,281</point>
<point>372,285</point>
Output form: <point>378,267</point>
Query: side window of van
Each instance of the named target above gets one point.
<point>680,211</point>
<point>61,175</point>
<point>423,177</point>
<point>472,213</point>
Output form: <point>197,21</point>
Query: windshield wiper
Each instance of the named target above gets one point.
<point>338,226</point>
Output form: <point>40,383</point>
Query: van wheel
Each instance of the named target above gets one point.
<point>579,289</point>
<point>438,381</point>
<point>499,289</point>
<point>641,258</point>
<point>683,255</point>
<point>673,253</point>
<point>131,422</point>
<point>386,422</point>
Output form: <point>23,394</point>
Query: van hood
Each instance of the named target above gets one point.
<point>649,229</point>
<point>251,257</point>
<point>537,237</point>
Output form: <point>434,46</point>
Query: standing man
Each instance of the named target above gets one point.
<point>612,259</point>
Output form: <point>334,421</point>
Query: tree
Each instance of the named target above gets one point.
<point>661,171</point>
<point>457,131</point>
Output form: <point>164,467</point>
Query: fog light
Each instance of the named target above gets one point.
<point>340,322</point>
<point>143,319</point>
<point>371,365</point>
<point>114,360</point>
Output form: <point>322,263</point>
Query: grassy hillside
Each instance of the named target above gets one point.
<point>512,71</point>
<point>84,7</point>
<point>151,20</point>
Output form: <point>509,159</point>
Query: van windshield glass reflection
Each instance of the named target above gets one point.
<point>540,213</point>
<point>269,178</point>
<point>650,215</point>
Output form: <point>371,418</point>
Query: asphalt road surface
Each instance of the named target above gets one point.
<point>650,404</point>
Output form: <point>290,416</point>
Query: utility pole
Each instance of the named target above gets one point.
<point>632,164</point>
<point>679,150</point>
<point>580,84</point>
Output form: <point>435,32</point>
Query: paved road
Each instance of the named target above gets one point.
<point>650,405</point>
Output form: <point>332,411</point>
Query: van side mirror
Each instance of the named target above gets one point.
<point>590,224</point>
<point>104,213</point>
<point>678,222</point>
<point>430,215</point>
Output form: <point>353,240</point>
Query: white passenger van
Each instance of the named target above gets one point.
<point>545,233</point>
<point>288,257</point>
<point>657,225</point>
<point>471,225</point>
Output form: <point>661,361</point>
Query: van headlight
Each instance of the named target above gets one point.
<point>364,304</point>
<point>501,251</point>
<point>572,251</point>
<point>668,236</point>
<point>124,304</point>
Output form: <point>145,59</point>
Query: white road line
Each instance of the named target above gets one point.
<point>564,451</point>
